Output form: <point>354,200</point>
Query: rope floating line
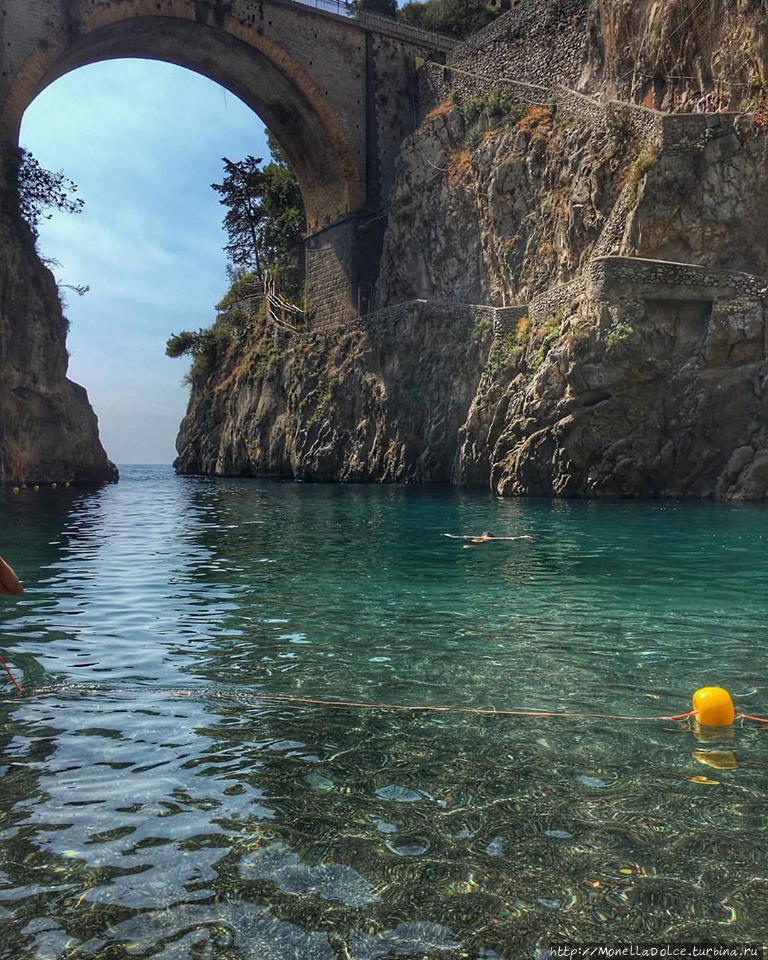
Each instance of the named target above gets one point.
<point>699,714</point>
<point>13,679</point>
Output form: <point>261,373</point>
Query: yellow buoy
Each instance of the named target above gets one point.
<point>54,486</point>
<point>713,707</point>
<point>16,490</point>
<point>66,483</point>
<point>36,487</point>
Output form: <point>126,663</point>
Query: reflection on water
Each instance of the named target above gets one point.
<point>138,823</point>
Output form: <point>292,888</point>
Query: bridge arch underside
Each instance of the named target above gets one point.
<point>276,88</point>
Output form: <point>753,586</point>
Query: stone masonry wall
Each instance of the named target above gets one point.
<point>393,102</point>
<point>625,280</point>
<point>437,82</point>
<point>628,277</point>
<point>683,132</point>
<point>536,42</point>
<point>557,299</point>
<point>331,271</point>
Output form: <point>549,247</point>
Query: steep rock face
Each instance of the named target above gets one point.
<point>374,403</point>
<point>664,52</point>
<point>650,385</point>
<point>503,221</point>
<point>635,397</point>
<point>532,203</point>
<point>48,431</point>
<point>707,204</point>
<point>661,53</point>
<point>609,372</point>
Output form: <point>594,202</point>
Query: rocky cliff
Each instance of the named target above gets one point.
<point>571,298</point>
<point>599,366</point>
<point>48,431</point>
<point>644,379</point>
<point>372,402</point>
<point>659,53</point>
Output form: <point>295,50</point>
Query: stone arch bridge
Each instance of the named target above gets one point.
<point>338,92</point>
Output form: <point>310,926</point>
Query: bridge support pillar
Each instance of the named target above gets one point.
<point>342,264</point>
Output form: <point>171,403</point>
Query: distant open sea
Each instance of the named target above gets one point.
<point>163,810</point>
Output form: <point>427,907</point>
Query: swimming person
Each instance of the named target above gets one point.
<point>485,536</point>
<point>9,582</point>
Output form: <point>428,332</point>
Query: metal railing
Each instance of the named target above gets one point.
<point>428,38</point>
<point>339,7</point>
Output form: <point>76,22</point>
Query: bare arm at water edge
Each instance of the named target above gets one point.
<point>9,582</point>
<point>524,536</point>
<point>484,538</point>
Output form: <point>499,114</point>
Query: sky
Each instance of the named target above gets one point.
<point>143,141</point>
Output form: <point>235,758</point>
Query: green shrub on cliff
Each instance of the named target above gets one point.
<point>508,350</point>
<point>204,346</point>
<point>546,335</point>
<point>620,331</point>
<point>635,173</point>
<point>482,113</point>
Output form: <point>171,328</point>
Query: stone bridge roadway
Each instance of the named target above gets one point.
<point>338,92</point>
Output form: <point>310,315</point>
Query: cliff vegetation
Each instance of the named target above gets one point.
<point>569,300</point>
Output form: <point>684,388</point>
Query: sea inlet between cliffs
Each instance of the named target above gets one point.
<point>165,794</point>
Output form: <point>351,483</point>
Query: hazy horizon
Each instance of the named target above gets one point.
<point>143,153</point>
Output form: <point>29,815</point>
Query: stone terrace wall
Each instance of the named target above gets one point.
<point>536,42</point>
<point>437,83</point>
<point>506,319</point>
<point>533,45</point>
<point>682,132</point>
<point>431,310</point>
<point>630,278</point>
<point>551,301</point>
<point>641,122</point>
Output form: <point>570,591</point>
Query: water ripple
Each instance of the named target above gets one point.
<point>195,826</point>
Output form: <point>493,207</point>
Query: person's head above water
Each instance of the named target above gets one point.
<point>486,533</point>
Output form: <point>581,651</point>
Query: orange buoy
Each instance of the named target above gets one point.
<point>713,707</point>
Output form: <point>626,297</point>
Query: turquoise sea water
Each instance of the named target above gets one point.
<point>146,817</point>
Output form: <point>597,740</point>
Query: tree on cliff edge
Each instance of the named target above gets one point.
<point>264,224</point>
<point>40,190</point>
<point>265,217</point>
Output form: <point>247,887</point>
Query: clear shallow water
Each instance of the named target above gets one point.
<point>139,823</point>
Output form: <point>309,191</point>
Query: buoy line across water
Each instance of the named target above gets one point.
<point>703,701</point>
